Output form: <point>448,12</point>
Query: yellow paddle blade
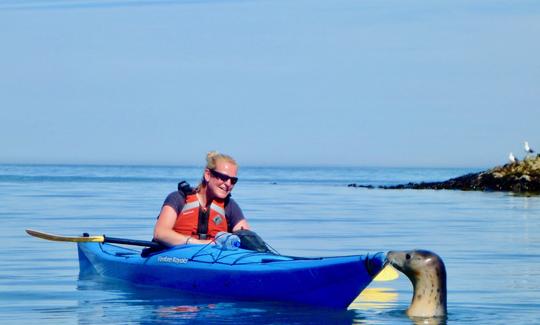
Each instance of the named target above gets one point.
<point>42,235</point>
<point>387,274</point>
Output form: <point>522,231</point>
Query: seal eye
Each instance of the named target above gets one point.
<point>408,256</point>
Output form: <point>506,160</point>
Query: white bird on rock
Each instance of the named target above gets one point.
<point>527,148</point>
<point>512,158</point>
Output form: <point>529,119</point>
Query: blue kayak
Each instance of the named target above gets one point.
<point>332,282</point>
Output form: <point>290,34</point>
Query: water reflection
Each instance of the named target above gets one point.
<point>101,298</point>
<point>385,301</point>
<point>429,321</point>
<point>375,299</point>
<point>183,311</point>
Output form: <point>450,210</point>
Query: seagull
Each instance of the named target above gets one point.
<point>527,148</point>
<point>512,158</point>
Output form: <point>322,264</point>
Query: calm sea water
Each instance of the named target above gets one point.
<point>490,242</point>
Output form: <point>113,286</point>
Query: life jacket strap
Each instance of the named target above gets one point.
<point>202,225</point>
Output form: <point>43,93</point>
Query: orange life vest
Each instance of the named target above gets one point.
<point>187,221</point>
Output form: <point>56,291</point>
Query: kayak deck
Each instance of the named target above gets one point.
<point>241,274</point>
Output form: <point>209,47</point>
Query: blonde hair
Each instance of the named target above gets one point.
<point>212,158</point>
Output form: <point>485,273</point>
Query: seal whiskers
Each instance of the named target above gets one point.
<point>427,273</point>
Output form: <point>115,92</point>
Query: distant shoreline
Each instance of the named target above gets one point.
<point>518,177</point>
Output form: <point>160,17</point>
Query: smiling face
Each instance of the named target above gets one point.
<point>219,183</point>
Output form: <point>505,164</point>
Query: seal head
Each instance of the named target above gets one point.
<point>427,273</point>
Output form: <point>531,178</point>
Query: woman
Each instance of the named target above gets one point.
<point>196,218</point>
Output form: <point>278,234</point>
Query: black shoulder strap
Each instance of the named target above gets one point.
<point>202,225</point>
<point>185,188</point>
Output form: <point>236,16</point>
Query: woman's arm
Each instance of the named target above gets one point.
<point>235,217</point>
<point>242,224</point>
<point>164,233</point>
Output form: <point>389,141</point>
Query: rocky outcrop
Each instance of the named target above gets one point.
<point>518,177</point>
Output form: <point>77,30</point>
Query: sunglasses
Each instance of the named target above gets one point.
<point>223,177</point>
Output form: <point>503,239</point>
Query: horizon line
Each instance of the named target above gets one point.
<point>265,165</point>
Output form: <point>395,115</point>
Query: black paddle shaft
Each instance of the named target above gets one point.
<point>133,242</point>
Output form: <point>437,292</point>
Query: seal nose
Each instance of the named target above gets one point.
<point>375,263</point>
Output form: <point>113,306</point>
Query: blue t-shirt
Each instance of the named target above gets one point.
<point>233,213</point>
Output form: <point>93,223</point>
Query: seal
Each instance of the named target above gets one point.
<point>427,273</point>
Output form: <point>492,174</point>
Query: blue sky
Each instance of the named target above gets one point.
<point>285,82</point>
